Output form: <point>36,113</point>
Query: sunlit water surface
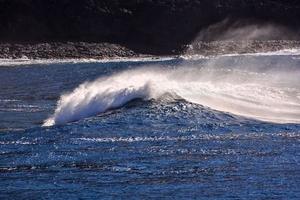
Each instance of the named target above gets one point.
<point>218,128</point>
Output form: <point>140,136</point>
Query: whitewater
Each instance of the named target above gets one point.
<point>261,86</point>
<point>191,126</point>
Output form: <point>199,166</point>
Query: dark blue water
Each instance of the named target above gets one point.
<point>152,148</point>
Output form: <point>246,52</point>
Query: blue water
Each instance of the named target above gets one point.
<point>164,147</point>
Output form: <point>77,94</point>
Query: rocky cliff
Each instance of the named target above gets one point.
<point>146,26</point>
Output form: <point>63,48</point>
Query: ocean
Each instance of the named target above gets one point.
<point>219,127</point>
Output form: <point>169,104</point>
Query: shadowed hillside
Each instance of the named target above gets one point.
<point>146,26</point>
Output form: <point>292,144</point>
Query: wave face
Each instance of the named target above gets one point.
<point>262,87</point>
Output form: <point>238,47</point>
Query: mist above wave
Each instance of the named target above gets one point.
<point>262,88</point>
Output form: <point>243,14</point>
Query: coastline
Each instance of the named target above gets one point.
<point>5,62</point>
<point>109,51</point>
<point>64,50</point>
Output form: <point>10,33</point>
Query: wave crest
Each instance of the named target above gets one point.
<point>252,91</point>
<point>90,99</point>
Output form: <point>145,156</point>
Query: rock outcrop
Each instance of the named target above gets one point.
<point>145,26</point>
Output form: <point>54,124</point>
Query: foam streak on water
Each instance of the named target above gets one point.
<point>268,91</point>
<point>165,145</point>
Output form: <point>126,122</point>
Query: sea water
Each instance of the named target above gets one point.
<point>223,127</point>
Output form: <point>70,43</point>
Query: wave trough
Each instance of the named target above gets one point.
<point>267,91</point>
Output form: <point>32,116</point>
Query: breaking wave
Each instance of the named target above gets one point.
<point>266,89</point>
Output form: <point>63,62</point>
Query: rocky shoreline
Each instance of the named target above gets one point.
<point>87,50</point>
<point>239,47</point>
<point>81,28</point>
<point>59,50</point>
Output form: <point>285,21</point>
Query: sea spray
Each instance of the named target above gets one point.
<point>91,98</point>
<point>247,85</point>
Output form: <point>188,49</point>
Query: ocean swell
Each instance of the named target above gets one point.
<point>96,97</point>
<point>269,93</point>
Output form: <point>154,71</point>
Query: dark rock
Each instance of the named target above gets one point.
<point>64,50</point>
<point>147,26</point>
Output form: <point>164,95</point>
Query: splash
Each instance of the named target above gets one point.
<point>262,87</point>
<point>229,29</point>
<point>99,96</point>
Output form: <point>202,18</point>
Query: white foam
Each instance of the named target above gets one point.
<point>99,96</point>
<point>283,52</point>
<point>268,95</point>
<point>231,136</point>
<point>22,62</point>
